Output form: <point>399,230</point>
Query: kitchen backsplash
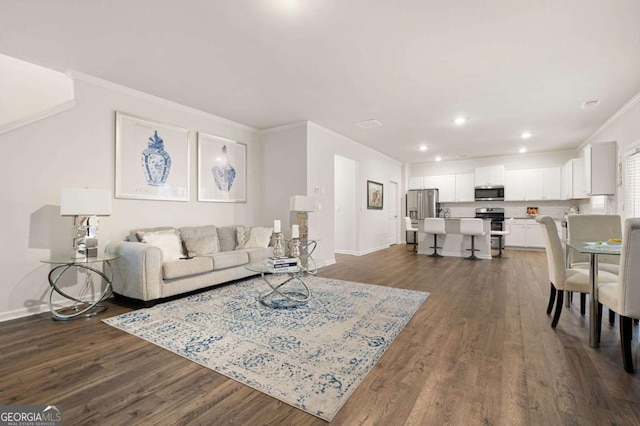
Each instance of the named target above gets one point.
<point>555,209</point>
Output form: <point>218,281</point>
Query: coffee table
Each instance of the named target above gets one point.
<point>289,285</point>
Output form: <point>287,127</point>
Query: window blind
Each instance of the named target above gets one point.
<point>633,185</point>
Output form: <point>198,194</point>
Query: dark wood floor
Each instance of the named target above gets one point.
<point>479,351</point>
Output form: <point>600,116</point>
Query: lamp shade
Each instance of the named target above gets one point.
<point>302,203</point>
<point>85,202</point>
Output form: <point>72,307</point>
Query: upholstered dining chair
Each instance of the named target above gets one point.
<point>623,296</point>
<point>410,228</point>
<point>593,227</point>
<point>564,279</point>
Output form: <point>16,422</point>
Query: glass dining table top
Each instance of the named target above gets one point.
<point>594,247</point>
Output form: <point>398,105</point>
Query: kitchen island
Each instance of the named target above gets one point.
<point>453,243</point>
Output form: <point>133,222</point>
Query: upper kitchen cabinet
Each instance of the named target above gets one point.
<point>573,175</point>
<point>416,182</point>
<point>465,187</point>
<point>446,185</point>
<point>600,168</point>
<point>489,176</point>
<point>533,184</point>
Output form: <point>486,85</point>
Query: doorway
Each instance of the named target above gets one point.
<point>393,213</point>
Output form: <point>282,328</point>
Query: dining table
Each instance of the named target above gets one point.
<point>593,249</point>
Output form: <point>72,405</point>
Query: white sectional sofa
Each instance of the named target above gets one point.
<point>162,262</point>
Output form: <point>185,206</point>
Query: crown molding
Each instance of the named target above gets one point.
<point>283,128</point>
<point>615,117</point>
<point>57,109</point>
<point>77,75</point>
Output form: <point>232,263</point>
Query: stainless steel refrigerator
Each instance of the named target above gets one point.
<point>421,203</point>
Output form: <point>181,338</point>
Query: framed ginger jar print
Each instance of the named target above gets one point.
<point>222,169</point>
<point>374,195</point>
<point>152,160</point>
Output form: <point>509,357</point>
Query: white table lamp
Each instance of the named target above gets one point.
<point>85,205</point>
<point>302,204</point>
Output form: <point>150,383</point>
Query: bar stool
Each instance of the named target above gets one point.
<point>409,228</point>
<point>473,228</point>
<point>434,226</point>
<point>500,235</point>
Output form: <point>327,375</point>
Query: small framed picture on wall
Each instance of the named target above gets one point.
<point>375,195</point>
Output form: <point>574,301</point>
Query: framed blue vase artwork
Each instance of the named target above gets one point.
<point>222,169</point>
<point>152,160</point>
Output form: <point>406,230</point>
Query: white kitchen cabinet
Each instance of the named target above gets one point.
<point>446,185</point>
<point>533,184</point>
<point>525,233</point>
<point>573,180</point>
<point>600,168</point>
<point>465,187</point>
<point>489,176</point>
<point>552,183</point>
<point>515,185</point>
<point>416,182</point>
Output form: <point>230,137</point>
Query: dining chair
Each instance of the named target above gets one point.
<point>623,296</point>
<point>593,227</point>
<point>409,228</point>
<point>562,278</point>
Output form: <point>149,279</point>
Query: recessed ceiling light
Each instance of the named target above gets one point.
<point>460,120</point>
<point>423,147</point>
<point>590,104</point>
<point>523,150</point>
<point>369,124</point>
<point>526,134</point>
<point>438,158</point>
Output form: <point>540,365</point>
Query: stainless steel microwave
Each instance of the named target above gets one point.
<point>495,193</point>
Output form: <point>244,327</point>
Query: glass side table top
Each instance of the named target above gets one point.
<point>63,259</point>
<point>595,247</point>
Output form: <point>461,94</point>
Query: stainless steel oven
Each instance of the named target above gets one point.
<point>496,214</point>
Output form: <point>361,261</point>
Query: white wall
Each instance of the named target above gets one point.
<point>28,89</point>
<point>322,146</point>
<point>624,128</point>
<point>345,207</point>
<point>284,173</point>
<point>76,148</point>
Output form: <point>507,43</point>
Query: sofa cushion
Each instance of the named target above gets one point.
<point>168,241</point>
<point>259,254</point>
<point>227,237</point>
<point>199,240</point>
<point>228,259</point>
<point>185,267</point>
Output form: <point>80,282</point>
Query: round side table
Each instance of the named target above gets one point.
<point>86,303</point>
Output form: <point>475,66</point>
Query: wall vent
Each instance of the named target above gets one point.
<point>369,124</point>
<point>590,104</point>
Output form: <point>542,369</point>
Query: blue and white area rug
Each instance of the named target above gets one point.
<point>311,356</point>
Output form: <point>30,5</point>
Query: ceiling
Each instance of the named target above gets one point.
<point>414,65</point>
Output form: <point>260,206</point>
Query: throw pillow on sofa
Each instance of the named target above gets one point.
<point>259,237</point>
<point>227,237</point>
<point>200,240</point>
<point>167,240</point>
<point>253,237</point>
